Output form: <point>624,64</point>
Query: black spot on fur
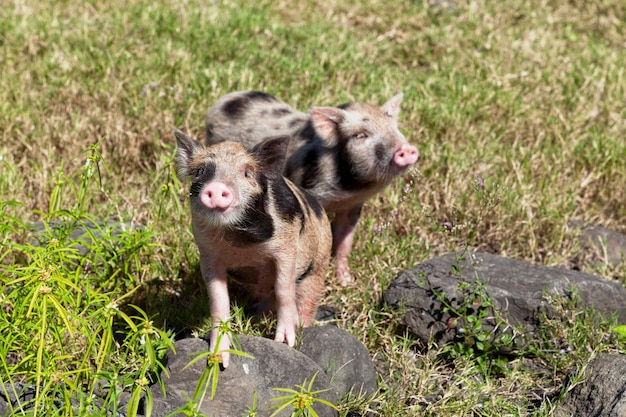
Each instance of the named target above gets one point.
<point>314,204</point>
<point>280,112</point>
<point>252,231</point>
<point>307,132</point>
<point>379,152</point>
<point>285,201</point>
<point>260,96</point>
<point>257,225</point>
<point>311,164</point>
<point>236,108</point>
<point>345,106</point>
<point>195,188</point>
<point>348,180</point>
<point>305,274</point>
<point>202,176</point>
<point>295,122</point>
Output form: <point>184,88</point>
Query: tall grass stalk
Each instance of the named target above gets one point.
<point>66,332</point>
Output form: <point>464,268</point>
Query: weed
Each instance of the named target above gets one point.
<point>570,334</point>
<point>620,331</point>
<point>568,337</point>
<point>301,400</point>
<point>473,307</point>
<point>210,374</point>
<point>253,408</point>
<point>69,336</point>
<point>483,335</point>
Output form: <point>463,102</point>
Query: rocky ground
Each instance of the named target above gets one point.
<point>429,297</point>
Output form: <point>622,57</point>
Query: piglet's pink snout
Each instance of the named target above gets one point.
<point>406,155</point>
<point>216,195</point>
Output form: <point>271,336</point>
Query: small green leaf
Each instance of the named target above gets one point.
<point>620,330</point>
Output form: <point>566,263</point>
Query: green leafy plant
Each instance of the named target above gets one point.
<point>570,333</point>
<point>620,331</point>
<point>568,338</point>
<point>253,408</point>
<point>210,374</point>
<point>302,400</point>
<point>472,307</point>
<point>469,312</point>
<point>66,336</point>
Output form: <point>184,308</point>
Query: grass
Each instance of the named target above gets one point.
<point>525,96</point>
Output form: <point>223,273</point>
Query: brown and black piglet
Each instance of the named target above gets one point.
<point>252,224</point>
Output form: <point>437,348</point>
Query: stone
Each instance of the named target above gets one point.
<point>275,365</point>
<point>603,391</point>
<point>4,407</point>
<point>517,289</point>
<point>17,395</point>
<point>599,243</point>
<point>7,398</point>
<point>344,358</point>
<point>327,314</point>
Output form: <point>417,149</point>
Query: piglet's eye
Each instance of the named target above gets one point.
<point>198,172</point>
<point>361,135</point>
<point>247,172</point>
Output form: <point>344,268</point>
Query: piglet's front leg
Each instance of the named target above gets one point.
<point>217,287</point>
<point>288,318</point>
<point>344,227</point>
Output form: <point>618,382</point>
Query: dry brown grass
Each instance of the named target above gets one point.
<point>526,96</point>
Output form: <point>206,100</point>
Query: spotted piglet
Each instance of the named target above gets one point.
<point>257,227</point>
<point>342,155</point>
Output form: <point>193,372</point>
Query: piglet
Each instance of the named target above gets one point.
<point>342,155</point>
<point>253,225</point>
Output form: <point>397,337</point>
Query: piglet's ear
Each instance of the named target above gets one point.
<point>271,155</point>
<point>186,148</point>
<point>326,122</point>
<point>392,106</point>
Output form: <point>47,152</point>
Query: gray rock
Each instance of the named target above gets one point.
<point>602,393</point>
<point>517,289</point>
<point>7,398</point>
<point>327,314</point>
<point>4,407</point>
<point>344,358</point>
<point>600,243</point>
<point>18,394</point>
<point>275,365</point>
